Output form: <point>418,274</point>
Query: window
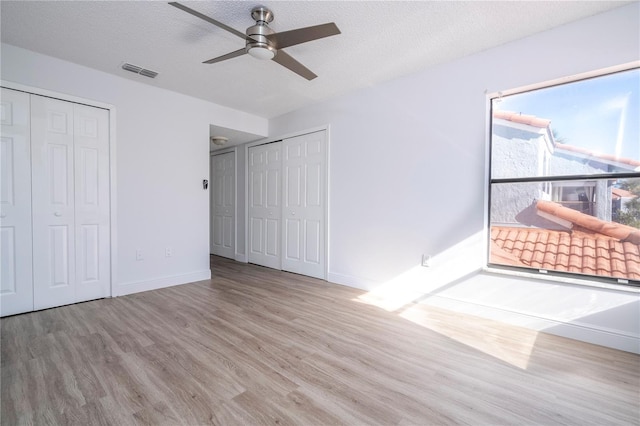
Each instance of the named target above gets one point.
<point>565,179</point>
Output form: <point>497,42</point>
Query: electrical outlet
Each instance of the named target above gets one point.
<point>139,254</point>
<point>168,252</point>
<point>426,260</point>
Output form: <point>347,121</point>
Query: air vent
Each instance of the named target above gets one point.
<point>139,70</point>
<point>148,73</point>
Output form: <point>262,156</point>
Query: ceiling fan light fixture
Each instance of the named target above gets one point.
<point>261,52</point>
<point>219,140</point>
<point>257,43</point>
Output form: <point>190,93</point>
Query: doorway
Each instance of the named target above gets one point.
<point>223,206</point>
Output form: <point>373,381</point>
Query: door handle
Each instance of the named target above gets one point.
<point>293,213</point>
<point>58,214</point>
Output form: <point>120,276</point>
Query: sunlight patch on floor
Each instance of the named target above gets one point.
<point>404,294</point>
<point>507,343</point>
<point>499,315</point>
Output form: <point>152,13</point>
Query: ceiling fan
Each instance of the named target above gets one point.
<point>263,43</point>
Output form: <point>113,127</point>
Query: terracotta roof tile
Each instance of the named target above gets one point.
<point>540,249</point>
<point>529,245</point>
<point>618,266</point>
<point>518,242</point>
<point>611,229</point>
<point>575,256</point>
<point>550,255</point>
<point>614,252</point>
<point>589,256</point>
<point>618,193</point>
<point>564,244</point>
<point>575,252</point>
<point>632,257</point>
<point>510,237</point>
<point>515,117</point>
<point>587,152</point>
<point>501,256</point>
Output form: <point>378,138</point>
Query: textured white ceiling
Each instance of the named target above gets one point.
<point>379,41</point>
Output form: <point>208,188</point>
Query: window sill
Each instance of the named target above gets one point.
<point>563,280</point>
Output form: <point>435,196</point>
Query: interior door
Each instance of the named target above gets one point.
<point>304,204</point>
<point>16,279</point>
<point>91,202</point>
<point>223,210</point>
<point>264,205</point>
<point>70,182</point>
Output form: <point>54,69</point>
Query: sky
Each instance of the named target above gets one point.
<point>601,114</point>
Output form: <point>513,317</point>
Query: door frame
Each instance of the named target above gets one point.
<point>113,235</point>
<point>327,181</point>
<point>235,195</point>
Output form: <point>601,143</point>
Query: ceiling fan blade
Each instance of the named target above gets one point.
<point>302,35</point>
<point>287,61</point>
<point>238,52</point>
<point>206,18</point>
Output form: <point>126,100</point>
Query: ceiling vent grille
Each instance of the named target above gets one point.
<point>139,70</point>
<point>148,73</point>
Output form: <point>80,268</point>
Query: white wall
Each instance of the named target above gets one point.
<point>162,158</point>
<point>407,172</point>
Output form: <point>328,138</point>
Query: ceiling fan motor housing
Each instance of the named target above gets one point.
<point>257,44</point>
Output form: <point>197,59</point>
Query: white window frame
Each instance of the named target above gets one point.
<point>560,277</point>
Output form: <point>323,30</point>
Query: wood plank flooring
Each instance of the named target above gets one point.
<point>258,346</point>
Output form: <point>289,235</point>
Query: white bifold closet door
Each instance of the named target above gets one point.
<point>265,165</point>
<point>223,211</point>
<point>16,276</point>
<point>70,187</point>
<point>287,203</point>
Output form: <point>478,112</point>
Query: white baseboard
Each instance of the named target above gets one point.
<point>616,339</point>
<point>603,336</point>
<point>350,281</point>
<point>597,336</point>
<point>162,282</point>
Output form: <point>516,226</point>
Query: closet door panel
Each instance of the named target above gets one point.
<point>229,204</point>
<point>265,205</point>
<point>292,241</point>
<point>16,279</point>
<point>312,229</point>
<point>272,240</point>
<point>257,204</point>
<point>304,168</point>
<point>52,168</point>
<point>91,202</point>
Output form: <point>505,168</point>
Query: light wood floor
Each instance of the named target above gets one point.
<point>257,346</point>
